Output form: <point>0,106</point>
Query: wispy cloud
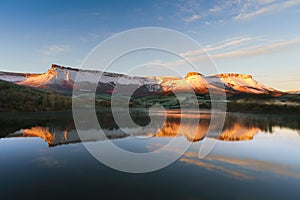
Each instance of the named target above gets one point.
<point>222,6</point>
<point>53,50</point>
<point>200,54</point>
<point>224,44</point>
<point>190,10</point>
<point>233,9</point>
<point>192,18</point>
<point>215,9</point>
<point>264,49</point>
<point>189,6</point>
<point>255,8</point>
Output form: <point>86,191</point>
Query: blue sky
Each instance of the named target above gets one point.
<point>258,37</point>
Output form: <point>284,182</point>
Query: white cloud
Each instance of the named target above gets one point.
<point>192,18</point>
<point>255,8</point>
<point>53,50</point>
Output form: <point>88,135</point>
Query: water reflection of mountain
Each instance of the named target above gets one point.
<point>60,129</point>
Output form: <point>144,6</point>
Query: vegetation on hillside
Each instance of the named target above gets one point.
<point>21,98</point>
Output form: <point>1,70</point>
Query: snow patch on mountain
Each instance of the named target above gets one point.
<point>192,82</point>
<point>12,77</point>
<point>293,92</point>
<point>241,83</point>
<point>58,74</point>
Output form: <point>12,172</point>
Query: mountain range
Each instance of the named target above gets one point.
<point>61,79</point>
<point>53,91</point>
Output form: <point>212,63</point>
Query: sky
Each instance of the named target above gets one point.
<point>257,37</point>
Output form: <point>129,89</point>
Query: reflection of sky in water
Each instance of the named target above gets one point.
<point>281,146</point>
<point>274,153</point>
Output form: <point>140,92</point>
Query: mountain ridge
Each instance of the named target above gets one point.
<point>61,79</point>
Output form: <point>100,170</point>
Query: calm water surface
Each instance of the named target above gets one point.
<point>255,157</point>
